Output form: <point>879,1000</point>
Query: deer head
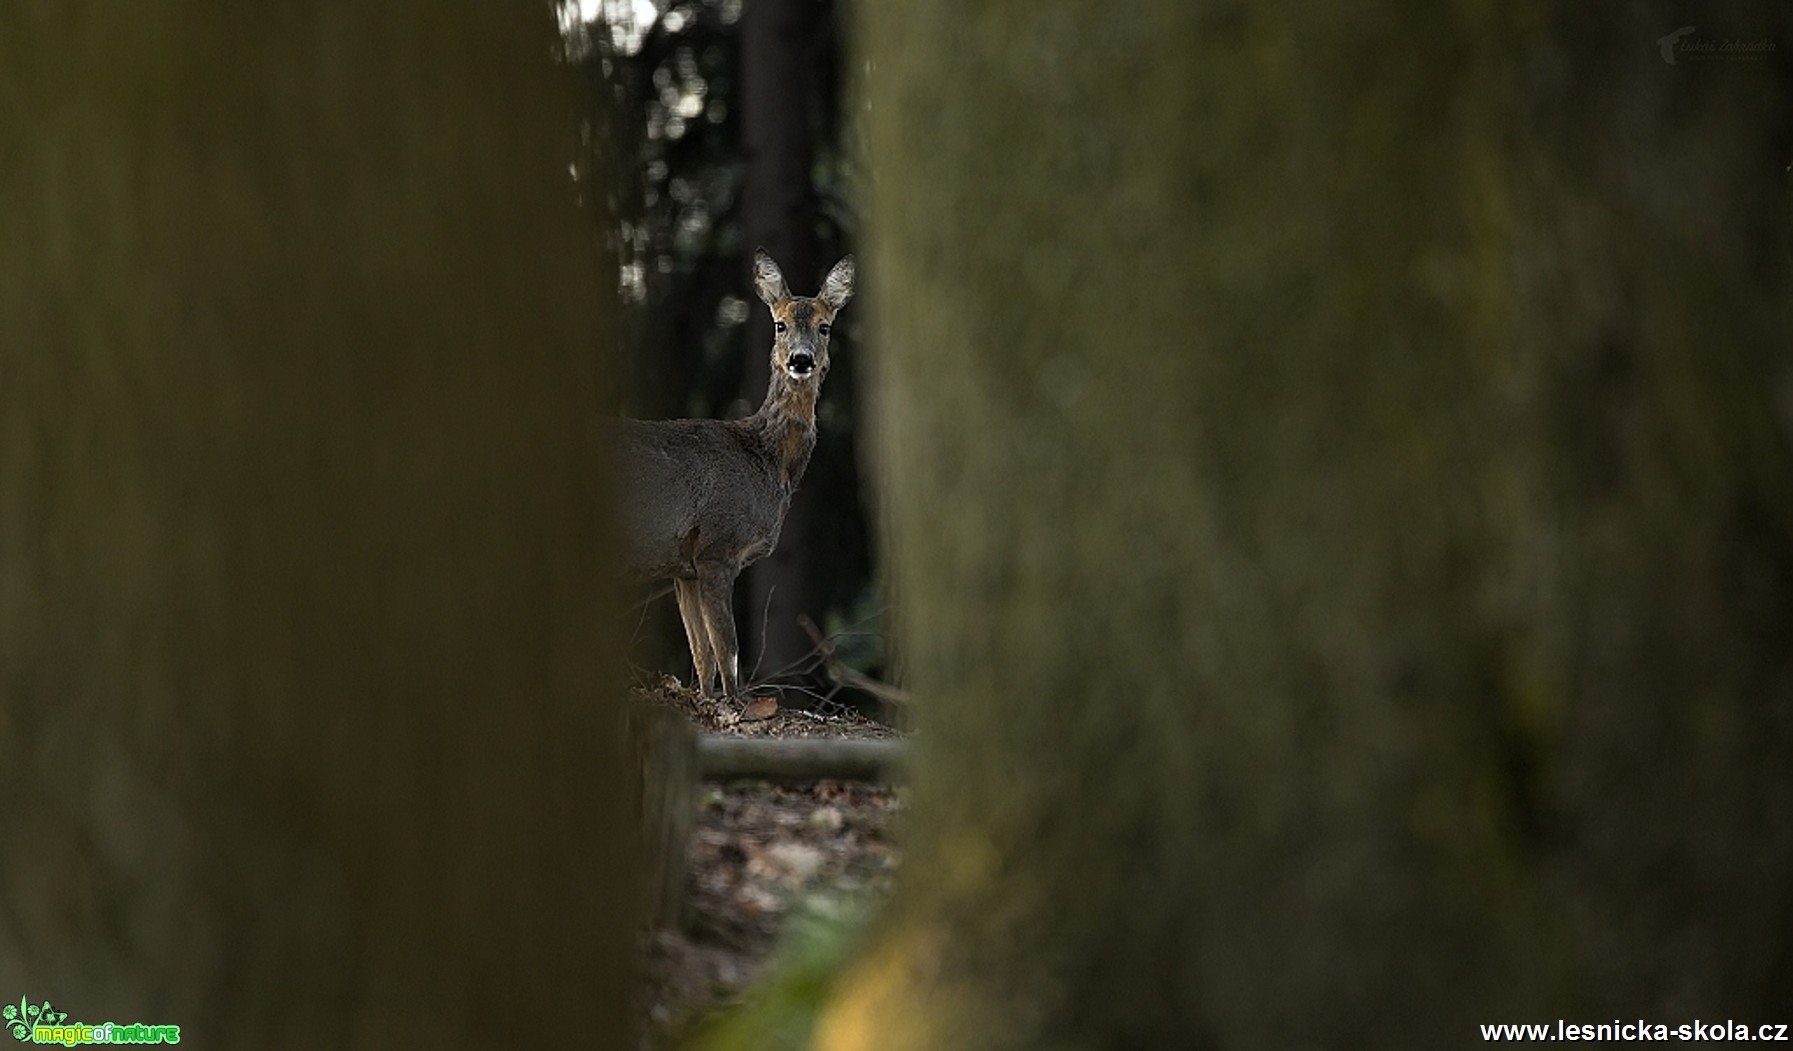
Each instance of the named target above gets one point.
<point>800,324</point>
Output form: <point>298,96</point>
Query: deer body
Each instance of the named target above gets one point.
<point>703,499</point>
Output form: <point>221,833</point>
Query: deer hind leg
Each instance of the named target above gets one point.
<point>697,633</point>
<point>716,587</point>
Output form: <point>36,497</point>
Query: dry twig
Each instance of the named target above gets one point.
<point>842,675</point>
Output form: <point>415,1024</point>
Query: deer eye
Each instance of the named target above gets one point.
<point>822,328</point>
<point>778,326</point>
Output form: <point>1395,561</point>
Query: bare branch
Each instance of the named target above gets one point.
<point>844,675</point>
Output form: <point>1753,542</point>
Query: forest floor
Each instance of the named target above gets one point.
<point>760,857</point>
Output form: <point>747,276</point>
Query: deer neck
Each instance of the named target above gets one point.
<point>786,425</point>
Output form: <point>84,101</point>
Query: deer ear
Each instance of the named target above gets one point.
<point>768,283</point>
<point>837,288</point>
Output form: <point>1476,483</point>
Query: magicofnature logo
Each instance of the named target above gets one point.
<point>44,1024</point>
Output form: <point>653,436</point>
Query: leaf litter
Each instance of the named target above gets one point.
<point>761,857</point>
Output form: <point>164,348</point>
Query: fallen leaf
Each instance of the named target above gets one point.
<point>786,862</point>
<point>760,708</point>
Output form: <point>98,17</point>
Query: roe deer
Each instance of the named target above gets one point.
<point>704,498</point>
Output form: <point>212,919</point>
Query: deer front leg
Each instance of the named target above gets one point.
<point>716,589</point>
<point>697,633</point>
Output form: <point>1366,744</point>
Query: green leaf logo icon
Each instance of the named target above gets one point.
<point>20,1019</point>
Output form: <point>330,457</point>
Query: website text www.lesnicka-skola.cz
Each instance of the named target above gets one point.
<point>1684,1032</point>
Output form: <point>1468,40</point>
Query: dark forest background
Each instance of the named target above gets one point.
<point>732,135</point>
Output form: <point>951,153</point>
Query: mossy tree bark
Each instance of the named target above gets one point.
<point>303,681</point>
<point>1345,523</point>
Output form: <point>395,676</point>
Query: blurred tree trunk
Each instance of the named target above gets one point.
<point>303,671</point>
<point>778,96</point>
<point>1344,510</point>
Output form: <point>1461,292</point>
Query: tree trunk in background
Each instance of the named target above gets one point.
<point>1344,519</point>
<point>778,86</point>
<point>304,660</point>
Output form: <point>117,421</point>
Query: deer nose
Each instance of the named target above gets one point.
<point>802,363</point>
